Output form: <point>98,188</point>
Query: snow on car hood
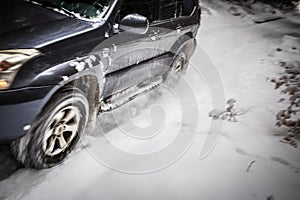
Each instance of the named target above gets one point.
<point>26,25</point>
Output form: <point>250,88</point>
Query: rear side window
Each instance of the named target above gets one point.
<point>188,7</point>
<point>169,9</point>
<point>156,10</point>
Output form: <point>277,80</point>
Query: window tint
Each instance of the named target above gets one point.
<point>158,9</point>
<point>147,8</point>
<point>188,7</point>
<point>169,9</point>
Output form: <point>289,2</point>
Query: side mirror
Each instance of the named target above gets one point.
<point>135,23</point>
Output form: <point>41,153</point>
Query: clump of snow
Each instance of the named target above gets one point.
<point>229,114</point>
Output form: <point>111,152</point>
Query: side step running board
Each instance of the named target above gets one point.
<point>127,95</point>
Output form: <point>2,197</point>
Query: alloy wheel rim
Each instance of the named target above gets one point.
<point>177,69</point>
<point>61,130</point>
<point>178,66</point>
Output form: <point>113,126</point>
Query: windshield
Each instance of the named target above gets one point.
<point>89,9</point>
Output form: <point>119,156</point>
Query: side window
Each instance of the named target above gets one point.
<point>188,7</point>
<point>169,9</point>
<point>147,8</point>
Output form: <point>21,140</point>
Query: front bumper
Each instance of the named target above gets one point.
<point>19,108</point>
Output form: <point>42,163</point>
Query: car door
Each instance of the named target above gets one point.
<point>175,19</point>
<point>165,32</point>
<point>132,55</point>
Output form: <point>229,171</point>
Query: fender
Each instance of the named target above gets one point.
<point>73,70</point>
<point>86,73</point>
<point>185,42</point>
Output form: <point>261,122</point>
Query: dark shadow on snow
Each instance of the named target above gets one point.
<point>8,165</point>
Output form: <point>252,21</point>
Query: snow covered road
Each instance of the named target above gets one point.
<point>248,162</point>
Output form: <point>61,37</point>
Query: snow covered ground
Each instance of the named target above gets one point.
<point>248,161</point>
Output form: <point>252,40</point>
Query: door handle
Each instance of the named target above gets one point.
<point>179,28</point>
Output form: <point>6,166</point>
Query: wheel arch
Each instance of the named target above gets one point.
<point>185,43</point>
<point>89,80</point>
<point>90,85</point>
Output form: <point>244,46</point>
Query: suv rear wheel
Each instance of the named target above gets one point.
<point>55,132</point>
<point>177,70</point>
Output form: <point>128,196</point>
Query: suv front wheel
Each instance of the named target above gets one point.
<point>55,132</point>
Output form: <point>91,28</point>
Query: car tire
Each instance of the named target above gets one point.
<point>177,70</point>
<point>55,132</point>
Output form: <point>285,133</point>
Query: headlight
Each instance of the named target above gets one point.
<point>10,63</point>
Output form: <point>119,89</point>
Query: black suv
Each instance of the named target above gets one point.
<point>64,61</point>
